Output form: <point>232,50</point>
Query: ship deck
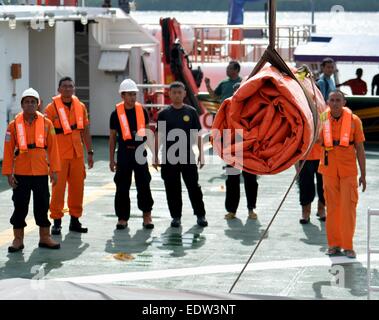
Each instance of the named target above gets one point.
<point>290,262</point>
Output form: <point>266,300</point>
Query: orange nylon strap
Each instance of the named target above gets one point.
<point>124,123</point>
<point>21,132</point>
<point>345,130</point>
<point>79,117</point>
<point>140,120</point>
<point>327,132</point>
<point>40,131</point>
<point>79,114</point>
<point>346,127</point>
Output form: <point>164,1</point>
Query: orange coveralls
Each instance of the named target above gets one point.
<point>315,153</point>
<point>73,168</point>
<point>341,185</point>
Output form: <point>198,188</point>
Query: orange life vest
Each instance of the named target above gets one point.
<point>345,130</point>
<point>39,136</point>
<point>79,114</point>
<point>124,123</point>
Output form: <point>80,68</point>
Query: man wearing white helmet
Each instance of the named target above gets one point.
<point>70,119</point>
<point>30,155</point>
<point>127,128</point>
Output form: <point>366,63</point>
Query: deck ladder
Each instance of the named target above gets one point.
<point>370,288</point>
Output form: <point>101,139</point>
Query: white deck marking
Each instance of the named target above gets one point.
<point>231,268</point>
<point>291,285</point>
<point>372,153</point>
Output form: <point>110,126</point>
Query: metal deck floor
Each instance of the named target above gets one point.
<point>289,263</point>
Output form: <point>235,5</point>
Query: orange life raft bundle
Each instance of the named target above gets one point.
<point>270,123</point>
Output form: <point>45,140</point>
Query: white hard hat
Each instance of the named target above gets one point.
<point>30,93</point>
<point>128,85</point>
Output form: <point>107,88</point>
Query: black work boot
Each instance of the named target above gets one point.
<point>76,226</point>
<point>175,223</point>
<point>57,227</point>
<point>201,221</point>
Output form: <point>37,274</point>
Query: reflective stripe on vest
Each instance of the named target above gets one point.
<point>79,114</point>
<point>344,140</point>
<point>124,123</point>
<point>39,135</point>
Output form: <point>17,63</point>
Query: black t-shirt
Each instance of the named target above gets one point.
<point>114,124</point>
<point>185,119</point>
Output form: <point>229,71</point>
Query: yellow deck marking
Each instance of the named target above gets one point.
<point>6,236</point>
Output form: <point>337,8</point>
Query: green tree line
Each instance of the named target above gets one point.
<point>222,5</point>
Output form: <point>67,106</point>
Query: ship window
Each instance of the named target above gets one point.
<point>113,60</point>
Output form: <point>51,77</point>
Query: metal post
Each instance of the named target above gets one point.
<point>313,15</point>
<point>202,46</point>
<point>289,44</point>
<point>195,42</point>
<point>370,212</point>
<point>368,256</point>
<point>272,23</point>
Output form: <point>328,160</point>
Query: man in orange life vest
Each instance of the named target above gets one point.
<point>30,155</point>
<point>127,127</point>
<point>342,139</point>
<point>70,119</point>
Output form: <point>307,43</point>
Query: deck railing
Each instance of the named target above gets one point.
<point>213,43</point>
